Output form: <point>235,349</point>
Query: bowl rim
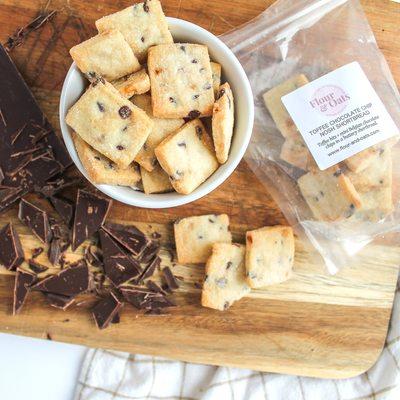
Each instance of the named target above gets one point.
<point>206,187</point>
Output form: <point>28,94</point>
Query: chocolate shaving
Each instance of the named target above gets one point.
<point>19,36</point>
<point>55,251</point>
<point>36,267</point>
<point>1,175</point>
<point>170,279</point>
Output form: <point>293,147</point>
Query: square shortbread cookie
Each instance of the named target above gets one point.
<point>106,55</point>
<point>222,122</point>
<point>187,156</point>
<point>109,123</point>
<point>269,255</point>
<point>181,81</point>
<point>143,25</point>
<point>225,280</point>
<point>194,236</point>
<point>162,128</point>
<point>101,170</point>
<point>279,114</point>
<point>136,83</point>
<point>330,194</point>
<point>156,181</point>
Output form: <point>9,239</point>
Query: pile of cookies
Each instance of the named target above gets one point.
<point>358,189</point>
<point>141,122</point>
<point>233,269</point>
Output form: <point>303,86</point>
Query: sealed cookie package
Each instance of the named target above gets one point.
<point>327,121</point>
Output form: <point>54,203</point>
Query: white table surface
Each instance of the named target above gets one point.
<point>38,369</point>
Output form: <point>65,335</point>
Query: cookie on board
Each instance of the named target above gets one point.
<point>279,114</point>
<point>109,123</point>
<point>106,55</point>
<point>181,80</point>
<point>156,181</point>
<point>269,255</point>
<point>136,83</point>
<point>225,280</point>
<point>101,170</point>
<point>222,122</point>
<point>162,128</point>
<point>187,156</point>
<point>143,25</point>
<point>330,194</point>
<point>195,236</point>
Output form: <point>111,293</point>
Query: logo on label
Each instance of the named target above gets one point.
<point>329,100</point>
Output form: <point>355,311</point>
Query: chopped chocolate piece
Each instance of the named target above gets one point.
<point>134,297</point>
<point>128,236</point>
<point>90,213</point>
<point>170,279</point>
<point>118,267</point>
<point>11,252</point>
<point>149,252</point>
<point>37,251</point>
<point>155,287</point>
<point>36,267</point>
<point>105,310</point>
<point>156,301</point>
<point>64,208</point>
<point>149,271</point>
<point>55,252</point>
<point>1,175</point>
<point>23,281</point>
<point>93,257</point>
<point>36,219</point>
<point>69,282</point>
<point>58,300</point>
<point>24,120</point>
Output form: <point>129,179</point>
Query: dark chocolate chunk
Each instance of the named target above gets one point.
<point>11,252</point>
<point>120,147</point>
<point>36,267</point>
<point>194,114</point>
<point>118,266</point>
<point>58,300</point>
<point>207,86</point>
<point>23,282</point>
<point>128,236</point>
<point>124,112</point>
<point>105,310</point>
<point>149,252</point>
<point>90,212</point>
<point>135,296</point>
<point>194,61</point>
<point>36,219</point>
<point>155,287</point>
<point>68,282</point>
<point>170,279</point>
<point>55,251</point>
<point>37,251</point>
<point>64,208</point>
<point>146,6</point>
<point>101,107</point>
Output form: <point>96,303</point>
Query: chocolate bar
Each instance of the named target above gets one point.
<point>118,266</point>
<point>11,252</point>
<point>105,311</point>
<point>23,281</point>
<point>90,213</point>
<point>36,219</point>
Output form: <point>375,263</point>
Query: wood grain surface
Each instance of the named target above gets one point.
<point>314,324</point>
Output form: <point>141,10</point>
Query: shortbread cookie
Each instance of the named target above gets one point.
<point>294,151</point>
<point>330,194</point>
<point>143,25</point>
<point>161,129</point>
<point>156,181</point>
<point>216,70</point>
<point>278,111</point>
<point>194,236</point>
<point>136,83</point>
<point>225,280</point>
<point>269,255</point>
<point>222,122</point>
<point>101,170</point>
<point>181,80</point>
<point>106,55</point>
<point>110,123</point>
<point>377,203</point>
<point>377,174</point>
<point>187,156</point>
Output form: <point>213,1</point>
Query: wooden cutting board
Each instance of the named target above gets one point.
<point>315,324</point>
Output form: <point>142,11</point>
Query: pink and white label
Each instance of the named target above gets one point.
<point>339,115</point>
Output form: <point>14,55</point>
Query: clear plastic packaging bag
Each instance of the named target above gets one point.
<point>307,39</point>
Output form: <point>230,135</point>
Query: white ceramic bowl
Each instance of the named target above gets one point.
<point>182,31</point>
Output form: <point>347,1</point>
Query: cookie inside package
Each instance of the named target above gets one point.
<point>326,130</point>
